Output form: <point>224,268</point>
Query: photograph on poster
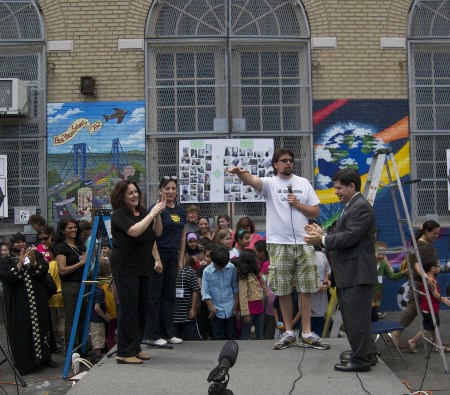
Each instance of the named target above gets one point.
<point>209,161</point>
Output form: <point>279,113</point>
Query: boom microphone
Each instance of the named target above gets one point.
<point>289,186</point>
<point>227,359</point>
<point>228,355</point>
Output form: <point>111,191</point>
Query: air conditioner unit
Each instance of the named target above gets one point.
<point>13,97</point>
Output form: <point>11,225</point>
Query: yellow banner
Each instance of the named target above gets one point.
<point>76,127</point>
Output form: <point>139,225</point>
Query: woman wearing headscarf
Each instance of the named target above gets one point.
<point>26,305</point>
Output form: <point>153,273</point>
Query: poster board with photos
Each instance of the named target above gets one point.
<point>204,165</point>
<point>3,186</point>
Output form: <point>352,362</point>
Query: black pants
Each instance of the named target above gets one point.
<point>132,292</point>
<point>161,296</point>
<point>356,308</point>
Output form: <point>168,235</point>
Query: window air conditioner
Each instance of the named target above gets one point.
<point>13,97</point>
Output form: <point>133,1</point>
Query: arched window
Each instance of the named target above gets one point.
<point>429,98</point>
<point>227,69</point>
<point>22,138</point>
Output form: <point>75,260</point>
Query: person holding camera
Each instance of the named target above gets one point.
<point>26,305</point>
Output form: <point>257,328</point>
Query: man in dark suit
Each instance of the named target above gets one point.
<point>354,268</point>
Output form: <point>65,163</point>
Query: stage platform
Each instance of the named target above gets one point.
<point>258,370</point>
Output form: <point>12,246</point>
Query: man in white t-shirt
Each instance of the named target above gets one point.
<point>290,202</point>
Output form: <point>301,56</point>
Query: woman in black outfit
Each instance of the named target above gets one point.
<point>133,239</point>
<point>70,254</point>
<point>26,306</point>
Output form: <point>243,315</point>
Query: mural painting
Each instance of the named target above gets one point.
<point>91,146</point>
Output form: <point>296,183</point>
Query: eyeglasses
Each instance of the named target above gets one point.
<point>44,238</point>
<point>286,160</point>
<point>171,178</point>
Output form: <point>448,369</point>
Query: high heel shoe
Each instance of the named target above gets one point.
<point>128,361</point>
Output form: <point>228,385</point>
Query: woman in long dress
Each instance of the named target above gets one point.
<point>26,305</point>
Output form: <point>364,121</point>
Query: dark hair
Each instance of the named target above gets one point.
<point>347,176</point>
<point>248,264</point>
<point>220,256</point>
<point>16,237</point>
<point>429,262</point>
<point>226,217</point>
<point>46,230</point>
<point>37,220</point>
<point>427,226</point>
<point>84,225</point>
<point>118,196</point>
<point>165,180</point>
<point>203,241</point>
<point>51,248</point>
<point>189,260</point>
<point>277,155</point>
<point>209,246</point>
<point>60,236</point>
<point>239,235</point>
<point>261,245</point>
<point>244,222</point>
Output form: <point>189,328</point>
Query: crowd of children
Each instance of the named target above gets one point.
<point>222,289</point>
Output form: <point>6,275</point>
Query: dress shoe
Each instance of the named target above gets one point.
<point>349,367</point>
<point>346,357</point>
<point>143,356</point>
<point>129,360</point>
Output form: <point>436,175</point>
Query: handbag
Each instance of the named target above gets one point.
<point>50,285</point>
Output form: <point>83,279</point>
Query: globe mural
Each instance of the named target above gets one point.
<point>342,146</point>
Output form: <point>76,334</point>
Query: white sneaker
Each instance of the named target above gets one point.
<point>174,340</point>
<point>159,342</point>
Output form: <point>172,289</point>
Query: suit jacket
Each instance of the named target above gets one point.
<point>352,245</point>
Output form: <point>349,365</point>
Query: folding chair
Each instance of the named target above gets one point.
<point>385,327</point>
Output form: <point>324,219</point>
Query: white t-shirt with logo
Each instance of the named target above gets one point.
<point>280,226</point>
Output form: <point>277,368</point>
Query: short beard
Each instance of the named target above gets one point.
<point>287,172</point>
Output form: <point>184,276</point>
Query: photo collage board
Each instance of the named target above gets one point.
<point>204,164</point>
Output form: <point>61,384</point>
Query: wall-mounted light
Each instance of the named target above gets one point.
<point>87,86</point>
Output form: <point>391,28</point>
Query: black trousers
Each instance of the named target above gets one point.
<point>132,292</point>
<point>356,308</point>
<point>161,297</point>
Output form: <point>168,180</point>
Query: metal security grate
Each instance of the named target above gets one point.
<point>227,69</point>
<point>22,139</point>
<point>177,18</point>
<point>429,94</point>
<point>20,20</point>
<point>430,19</point>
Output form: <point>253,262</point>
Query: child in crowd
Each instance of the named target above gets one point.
<point>252,290</point>
<point>223,222</point>
<point>5,250</point>
<point>45,236</point>
<point>432,269</point>
<point>263,256</point>
<point>56,302</point>
<point>192,249</point>
<point>319,299</point>
<point>383,269</point>
<point>241,242</point>
<point>106,249</point>
<point>202,319</point>
<point>99,317</point>
<point>186,302</point>
<point>220,292</point>
<point>111,305</point>
<point>278,316</point>
<point>224,238</point>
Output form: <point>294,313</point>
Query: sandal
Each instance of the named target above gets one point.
<point>445,349</point>
<point>412,347</point>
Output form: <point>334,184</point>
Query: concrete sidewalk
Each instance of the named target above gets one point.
<point>186,368</point>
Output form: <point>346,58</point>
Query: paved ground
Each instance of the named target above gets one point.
<point>425,374</point>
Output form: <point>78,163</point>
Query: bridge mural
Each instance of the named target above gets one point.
<point>91,146</point>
